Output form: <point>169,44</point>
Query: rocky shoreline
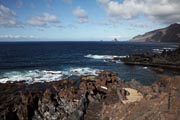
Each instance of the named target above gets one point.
<point>102,97</point>
<point>166,59</point>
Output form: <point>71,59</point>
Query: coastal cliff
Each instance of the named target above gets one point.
<point>167,35</point>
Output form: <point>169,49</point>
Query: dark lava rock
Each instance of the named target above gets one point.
<point>55,100</point>
<point>58,100</point>
<point>167,59</point>
<point>96,97</point>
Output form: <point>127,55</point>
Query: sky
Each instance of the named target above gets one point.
<point>84,20</point>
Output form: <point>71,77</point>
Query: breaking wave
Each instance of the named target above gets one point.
<point>161,50</point>
<point>102,56</point>
<point>34,76</point>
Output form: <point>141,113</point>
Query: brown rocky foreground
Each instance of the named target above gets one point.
<point>102,97</point>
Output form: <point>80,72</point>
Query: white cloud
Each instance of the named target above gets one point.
<point>81,15</point>
<point>43,20</point>
<point>8,36</point>
<point>162,11</point>
<point>7,17</point>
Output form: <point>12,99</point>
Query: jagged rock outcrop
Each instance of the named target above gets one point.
<point>95,98</point>
<point>168,34</point>
<point>42,101</point>
<point>58,100</point>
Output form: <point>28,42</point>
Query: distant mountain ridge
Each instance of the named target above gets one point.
<point>168,34</point>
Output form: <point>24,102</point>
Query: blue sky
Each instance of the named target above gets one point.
<point>84,19</point>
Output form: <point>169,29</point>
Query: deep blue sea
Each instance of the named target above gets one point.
<point>48,61</point>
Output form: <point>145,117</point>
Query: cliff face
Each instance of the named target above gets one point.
<point>168,34</point>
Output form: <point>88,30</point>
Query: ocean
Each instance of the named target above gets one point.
<point>50,61</point>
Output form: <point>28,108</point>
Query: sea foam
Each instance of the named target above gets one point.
<point>34,76</point>
<point>161,50</point>
<point>99,56</point>
<point>102,56</point>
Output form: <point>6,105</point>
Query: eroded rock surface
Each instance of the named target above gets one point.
<point>94,98</point>
<point>161,101</point>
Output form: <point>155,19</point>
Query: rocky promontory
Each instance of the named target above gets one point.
<point>166,59</point>
<point>101,97</point>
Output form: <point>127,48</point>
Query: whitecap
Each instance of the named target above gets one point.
<point>161,50</point>
<point>145,68</point>
<point>84,71</point>
<point>34,76</point>
<point>157,50</point>
<point>169,49</point>
<point>123,56</point>
<point>99,56</point>
<point>103,56</point>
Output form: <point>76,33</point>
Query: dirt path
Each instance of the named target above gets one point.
<point>133,96</point>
